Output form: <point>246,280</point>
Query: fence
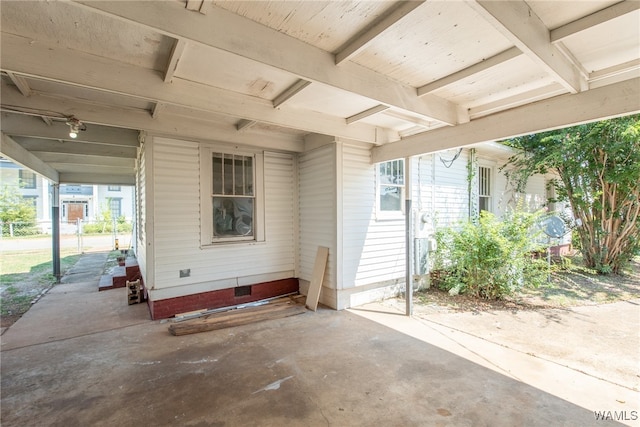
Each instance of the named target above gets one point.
<point>114,234</point>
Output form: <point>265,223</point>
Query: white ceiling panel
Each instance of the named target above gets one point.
<point>405,77</point>
<point>92,95</point>
<point>328,100</point>
<point>514,77</point>
<point>437,39</point>
<point>608,44</point>
<point>72,27</point>
<point>555,13</point>
<point>324,24</point>
<point>225,70</point>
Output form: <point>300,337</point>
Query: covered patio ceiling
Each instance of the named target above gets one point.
<point>406,77</point>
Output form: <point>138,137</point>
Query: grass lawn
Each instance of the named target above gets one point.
<point>25,275</point>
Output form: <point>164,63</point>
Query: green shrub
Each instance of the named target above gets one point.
<point>106,226</point>
<point>491,258</point>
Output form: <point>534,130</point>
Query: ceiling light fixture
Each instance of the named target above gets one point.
<point>75,126</point>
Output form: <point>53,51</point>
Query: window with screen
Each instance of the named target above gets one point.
<point>233,196</point>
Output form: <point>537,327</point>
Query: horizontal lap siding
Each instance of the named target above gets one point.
<point>176,211</point>
<point>317,210</point>
<point>423,194</point>
<point>373,251</point>
<point>536,192</point>
<point>279,211</point>
<point>177,221</point>
<point>451,201</point>
<point>141,204</point>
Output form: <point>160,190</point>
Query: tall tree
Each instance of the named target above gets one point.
<point>598,169</point>
<point>15,208</point>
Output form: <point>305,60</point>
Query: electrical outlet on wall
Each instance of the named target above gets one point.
<point>185,273</point>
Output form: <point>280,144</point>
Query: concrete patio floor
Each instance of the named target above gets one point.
<point>81,357</point>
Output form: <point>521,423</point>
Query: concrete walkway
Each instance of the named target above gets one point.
<point>81,357</point>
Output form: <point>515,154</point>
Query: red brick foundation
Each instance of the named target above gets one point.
<point>165,308</point>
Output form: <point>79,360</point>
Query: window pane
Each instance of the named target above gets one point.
<point>484,203</point>
<point>248,177</point>
<point>399,172</point>
<point>27,179</point>
<point>217,174</point>
<point>390,198</point>
<point>228,175</point>
<point>238,175</point>
<point>115,207</point>
<point>484,181</point>
<point>233,216</point>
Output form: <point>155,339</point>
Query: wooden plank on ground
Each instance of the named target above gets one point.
<point>313,296</point>
<point>276,309</point>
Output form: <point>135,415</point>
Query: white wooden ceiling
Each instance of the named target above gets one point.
<point>406,77</point>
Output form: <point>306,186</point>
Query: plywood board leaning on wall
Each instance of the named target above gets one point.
<point>313,296</point>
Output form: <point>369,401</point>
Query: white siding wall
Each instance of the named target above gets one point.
<point>177,227</point>
<point>534,198</point>
<point>317,210</point>
<point>536,192</point>
<point>424,196</point>
<point>141,209</point>
<point>373,250</point>
<point>451,201</point>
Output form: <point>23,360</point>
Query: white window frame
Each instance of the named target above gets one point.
<point>25,175</point>
<point>387,214</point>
<point>490,187</point>
<point>113,200</point>
<point>207,238</point>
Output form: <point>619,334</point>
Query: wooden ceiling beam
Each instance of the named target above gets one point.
<point>74,147</point>
<point>615,100</point>
<point>243,125</point>
<point>612,12</point>
<point>62,65</point>
<point>498,59</point>
<point>31,126</point>
<point>84,159</point>
<point>10,149</point>
<point>170,125</point>
<point>93,178</point>
<point>228,32</point>
<point>369,34</point>
<point>20,82</point>
<point>518,23</point>
<point>174,59</point>
<point>290,92</point>
<point>367,113</point>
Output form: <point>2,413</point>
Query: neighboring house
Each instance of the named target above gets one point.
<point>85,202</point>
<point>30,185</point>
<point>224,224</point>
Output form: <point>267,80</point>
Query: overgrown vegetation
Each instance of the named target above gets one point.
<point>598,166</point>
<point>16,211</point>
<point>105,222</point>
<point>490,258</point>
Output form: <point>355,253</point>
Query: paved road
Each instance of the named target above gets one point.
<point>88,243</point>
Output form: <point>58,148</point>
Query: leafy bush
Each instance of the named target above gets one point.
<point>17,214</point>
<point>491,258</point>
<point>106,226</point>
